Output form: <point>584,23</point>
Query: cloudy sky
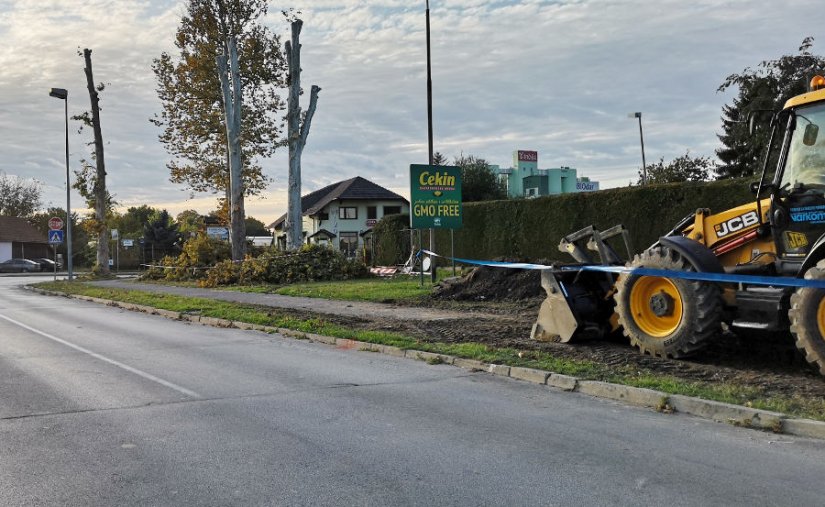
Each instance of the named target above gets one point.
<point>558,77</point>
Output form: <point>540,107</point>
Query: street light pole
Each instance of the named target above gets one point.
<point>642,138</point>
<point>63,94</point>
<point>433,273</point>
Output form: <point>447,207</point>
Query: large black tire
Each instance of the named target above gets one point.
<point>667,317</point>
<point>807,316</point>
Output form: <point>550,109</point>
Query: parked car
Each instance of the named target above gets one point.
<point>48,264</point>
<point>19,266</point>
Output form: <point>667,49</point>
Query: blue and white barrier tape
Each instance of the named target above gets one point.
<point>775,281</point>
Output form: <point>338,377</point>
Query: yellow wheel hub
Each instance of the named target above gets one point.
<point>656,305</point>
<point>820,317</point>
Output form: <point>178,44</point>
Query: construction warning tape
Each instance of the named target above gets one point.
<point>775,281</point>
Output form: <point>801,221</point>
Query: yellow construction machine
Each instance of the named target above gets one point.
<point>757,266</point>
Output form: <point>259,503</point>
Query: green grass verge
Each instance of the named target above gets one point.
<point>586,370</point>
<point>401,288</point>
<point>367,289</point>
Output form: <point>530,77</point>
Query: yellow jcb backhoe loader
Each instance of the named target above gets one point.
<point>733,267</point>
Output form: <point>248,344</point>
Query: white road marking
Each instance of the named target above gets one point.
<point>126,367</point>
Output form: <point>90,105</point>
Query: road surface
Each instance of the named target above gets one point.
<point>99,406</point>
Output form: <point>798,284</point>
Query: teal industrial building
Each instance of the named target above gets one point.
<point>525,179</point>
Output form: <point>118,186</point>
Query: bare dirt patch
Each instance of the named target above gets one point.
<point>502,304</point>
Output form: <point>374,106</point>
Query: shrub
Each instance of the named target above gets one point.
<point>311,263</point>
<point>198,254</point>
<point>208,261</point>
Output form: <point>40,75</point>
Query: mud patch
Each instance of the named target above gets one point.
<point>491,284</point>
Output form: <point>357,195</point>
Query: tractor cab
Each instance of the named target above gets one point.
<point>797,213</point>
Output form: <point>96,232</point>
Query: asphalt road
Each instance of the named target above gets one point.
<point>100,406</point>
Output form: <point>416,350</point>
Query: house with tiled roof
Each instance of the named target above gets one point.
<point>19,239</point>
<point>342,214</point>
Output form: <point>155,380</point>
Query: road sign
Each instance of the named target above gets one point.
<point>221,233</point>
<point>435,197</point>
<point>55,223</point>
<point>115,235</point>
<point>128,242</point>
<point>55,237</point>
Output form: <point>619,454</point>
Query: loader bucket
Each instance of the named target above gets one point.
<point>556,322</point>
<point>579,304</point>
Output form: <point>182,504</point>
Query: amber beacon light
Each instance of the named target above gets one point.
<point>817,83</point>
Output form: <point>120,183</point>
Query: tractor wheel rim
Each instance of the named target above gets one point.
<point>658,326</point>
<point>820,317</point>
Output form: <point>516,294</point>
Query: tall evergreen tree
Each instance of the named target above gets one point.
<point>765,88</point>
<point>161,235</point>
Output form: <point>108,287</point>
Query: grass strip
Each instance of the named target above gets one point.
<point>367,289</point>
<point>586,370</point>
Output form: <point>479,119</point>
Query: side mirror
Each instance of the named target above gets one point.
<point>756,190</point>
<point>810,135</point>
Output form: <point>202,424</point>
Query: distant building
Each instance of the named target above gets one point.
<point>341,215</point>
<point>19,239</point>
<point>525,179</point>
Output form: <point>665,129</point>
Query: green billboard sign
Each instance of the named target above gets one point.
<point>435,197</point>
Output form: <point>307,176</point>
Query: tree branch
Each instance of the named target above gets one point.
<point>313,101</point>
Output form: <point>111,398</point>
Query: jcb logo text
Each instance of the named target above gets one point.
<point>736,224</point>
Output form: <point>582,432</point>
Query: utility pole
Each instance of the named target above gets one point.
<point>63,94</point>
<point>642,139</point>
<point>430,134</point>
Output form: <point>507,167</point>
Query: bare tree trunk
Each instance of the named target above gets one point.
<point>232,101</point>
<point>297,137</point>
<point>101,195</point>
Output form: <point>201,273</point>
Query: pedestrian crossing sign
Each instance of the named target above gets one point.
<point>55,237</point>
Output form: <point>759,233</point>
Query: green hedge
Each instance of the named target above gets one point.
<point>392,240</point>
<point>532,228</point>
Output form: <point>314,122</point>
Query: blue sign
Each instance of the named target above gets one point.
<point>55,237</point>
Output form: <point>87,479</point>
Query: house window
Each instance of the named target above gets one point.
<point>372,212</point>
<point>392,210</point>
<point>349,243</point>
<point>347,213</point>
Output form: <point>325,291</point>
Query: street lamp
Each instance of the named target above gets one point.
<point>642,138</point>
<point>60,93</point>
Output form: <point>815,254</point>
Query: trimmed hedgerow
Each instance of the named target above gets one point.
<point>392,240</point>
<point>532,228</point>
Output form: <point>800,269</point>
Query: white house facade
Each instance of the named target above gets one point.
<point>343,214</point>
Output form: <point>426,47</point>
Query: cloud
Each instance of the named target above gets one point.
<point>558,77</point>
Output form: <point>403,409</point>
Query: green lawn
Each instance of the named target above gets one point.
<point>398,288</point>
<point>367,289</point>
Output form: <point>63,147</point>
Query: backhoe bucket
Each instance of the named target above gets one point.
<point>556,322</point>
<point>579,303</point>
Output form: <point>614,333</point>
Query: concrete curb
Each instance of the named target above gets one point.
<point>736,415</point>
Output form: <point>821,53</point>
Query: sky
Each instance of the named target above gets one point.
<point>557,77</point>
